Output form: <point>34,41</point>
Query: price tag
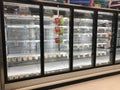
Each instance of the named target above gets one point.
<point>63,55</point>
<point>83,45</point>
<point>36,57</point>
<point>14,59</point>
<point>97,54</point>
<point>67,28</point>
<point>59,55</point>
<point>17,77</point>
<point>104,53</point>
<point>54,56</point>
<point>46,56</point>
<point>78,46</point>
<point>89,55</point>
<point>80,66</point>
<point>88,45</point>
<point>67,47</point>
<point>78,35</point>
<point>8,60</point>
<point>25,58</point>
<point>78,29</point>
<point>50,56</point>
<point>68,19</point>
<point>67,56</point>
<point>101,54</point>
<point>19,59</point>
<point>84,55</point>
<point>50,18</point>
<point>30,58</point>
<point>10,78</point>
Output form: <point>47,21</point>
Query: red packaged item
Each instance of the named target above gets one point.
<point>57,21</point>
<point>57,40</point>
<point>57,30</point>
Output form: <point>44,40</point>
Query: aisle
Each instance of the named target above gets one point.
<point>107,83</point>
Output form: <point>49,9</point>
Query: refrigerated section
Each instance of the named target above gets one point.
<point>22,38</point>
<point>56,39</point>
<point>104,37</point>
<point>118,42</point>
<point>82,42</point>
<point>43,39</point>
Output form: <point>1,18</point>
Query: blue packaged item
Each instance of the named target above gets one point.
<point>83,2</point>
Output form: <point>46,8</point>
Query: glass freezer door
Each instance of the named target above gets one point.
<point>82,44</point>
<point>118,42</point>
<point>22,33</point>
<point>56,39</point>
<point>104,36</point>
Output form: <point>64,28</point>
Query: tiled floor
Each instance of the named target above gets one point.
<point>107,83</point>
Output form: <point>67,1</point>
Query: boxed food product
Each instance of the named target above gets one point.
<point>82,2</point>
<point>101,3</point>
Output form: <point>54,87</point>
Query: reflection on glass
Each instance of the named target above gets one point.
<point>56,39</point>
<point>83,21</point>
<point>22,40</point>
<point>104,36</point>
<point>118,42</point>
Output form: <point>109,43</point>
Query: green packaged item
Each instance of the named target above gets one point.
<point>61,40</point>
<point>61,21</point>
<point>61,30</point>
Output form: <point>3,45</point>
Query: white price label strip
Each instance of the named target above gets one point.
<point>30,58</point>
<point>8,60</point>
<point>36,57</point>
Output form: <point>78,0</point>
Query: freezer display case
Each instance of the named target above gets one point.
<point>22,38</point>
<point>118,42</point>
<point>82,47</point>
<point>56,39</point>
<point>104,37</point>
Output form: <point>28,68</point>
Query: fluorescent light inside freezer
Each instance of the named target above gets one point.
<point>105,13</point>
<point>56,8</point>
<point>20,5</point>
<point>83,11</point>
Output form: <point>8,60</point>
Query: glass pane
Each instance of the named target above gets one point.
<point>118,42</point>
<point>22,34</point>
<point>82,47</point>
<point>104,36</point>
<point>56,39</point>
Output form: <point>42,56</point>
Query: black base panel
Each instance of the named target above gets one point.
<point>77,81</point>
